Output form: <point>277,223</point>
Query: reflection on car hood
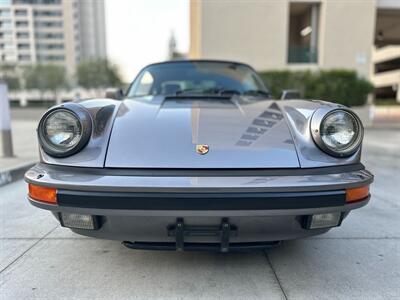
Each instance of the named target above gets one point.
<point>159,132</point>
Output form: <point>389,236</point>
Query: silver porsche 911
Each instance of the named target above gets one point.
<point>197,156</point>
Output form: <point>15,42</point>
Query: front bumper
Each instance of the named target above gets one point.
<point>139,205</point>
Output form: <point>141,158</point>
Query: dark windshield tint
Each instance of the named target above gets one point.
<point>196,78</point>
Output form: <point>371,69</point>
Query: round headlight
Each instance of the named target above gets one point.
<point>63,132</point>
<point>338,133</point>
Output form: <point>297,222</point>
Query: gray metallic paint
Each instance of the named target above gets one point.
<point>91,182</point>
<point>163,133</point>
<point>103,112</point>
<point>254,226</point>
<point>251,229</point>
<point>154,132</point>
<point>298,114</point>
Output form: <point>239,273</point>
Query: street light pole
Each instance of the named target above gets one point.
<point>5,121</point>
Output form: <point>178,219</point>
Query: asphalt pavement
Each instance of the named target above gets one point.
<point>359,260</point>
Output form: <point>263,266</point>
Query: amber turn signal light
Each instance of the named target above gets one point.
<point>357,194</point>
<point>43,194</point>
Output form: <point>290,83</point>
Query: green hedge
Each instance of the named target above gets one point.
<point>386,102</point>
<point>340,86</point>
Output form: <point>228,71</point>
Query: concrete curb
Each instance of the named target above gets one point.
<point>9,176</point>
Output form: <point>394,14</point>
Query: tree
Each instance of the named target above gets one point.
<point>10,75</point>
<point>13,82</point>
<point>45,77</point>
<point>98,74</point>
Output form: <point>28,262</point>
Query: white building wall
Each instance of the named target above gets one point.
<point>253,33</point>
<point>257,32</point>
<point>347,35</point>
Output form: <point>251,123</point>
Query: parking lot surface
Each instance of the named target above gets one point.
<point>359,260</point>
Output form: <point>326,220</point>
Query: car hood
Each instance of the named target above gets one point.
<point>159,132</point>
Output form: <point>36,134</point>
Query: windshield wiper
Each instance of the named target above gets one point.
<point>186,91</point>
<point>221,91</point>
<point>210,91</point>
<point>257,93</point>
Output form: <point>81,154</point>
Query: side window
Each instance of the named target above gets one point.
<point>144,84</point>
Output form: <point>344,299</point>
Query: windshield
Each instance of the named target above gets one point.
<point>197,78</point>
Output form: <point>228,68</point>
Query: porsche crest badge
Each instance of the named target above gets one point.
<point>202,149</point>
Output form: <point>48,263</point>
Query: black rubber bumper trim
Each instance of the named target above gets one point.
<point>233,247</point>
<point>201,201</point>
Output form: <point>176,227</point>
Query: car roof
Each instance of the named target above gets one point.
<point>197,61</point>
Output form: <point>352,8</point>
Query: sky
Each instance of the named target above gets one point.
<point>138,31</point>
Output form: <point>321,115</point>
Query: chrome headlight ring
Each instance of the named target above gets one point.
<point>320,132</point>
<point>64,130</point>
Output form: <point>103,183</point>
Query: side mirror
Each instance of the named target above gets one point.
<point>114,93</point>
<point>290,94</point>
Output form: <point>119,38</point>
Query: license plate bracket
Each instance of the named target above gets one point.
<point>224,231</point>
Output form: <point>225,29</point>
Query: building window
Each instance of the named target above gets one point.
<point>9,57</point>
<point>37,2</point>
<point>23,46</point>
<point>46,35</point>
<point>49,46</point>
<point>48,13</point>
<point>48,24</point>
<point>8,46</point>
<point>42,58</point>
<point>5,13</point>
<point>22,35</point>
<point>5,24</point>
<point>21,23</point>
<point>303,33</point>
<point>5,34</point>
<point>21,12</point>
<point>24,57</point>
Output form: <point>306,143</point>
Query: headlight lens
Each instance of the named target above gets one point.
<point>338,132</point>
<point>62,129</point>
<point>65,130</point>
